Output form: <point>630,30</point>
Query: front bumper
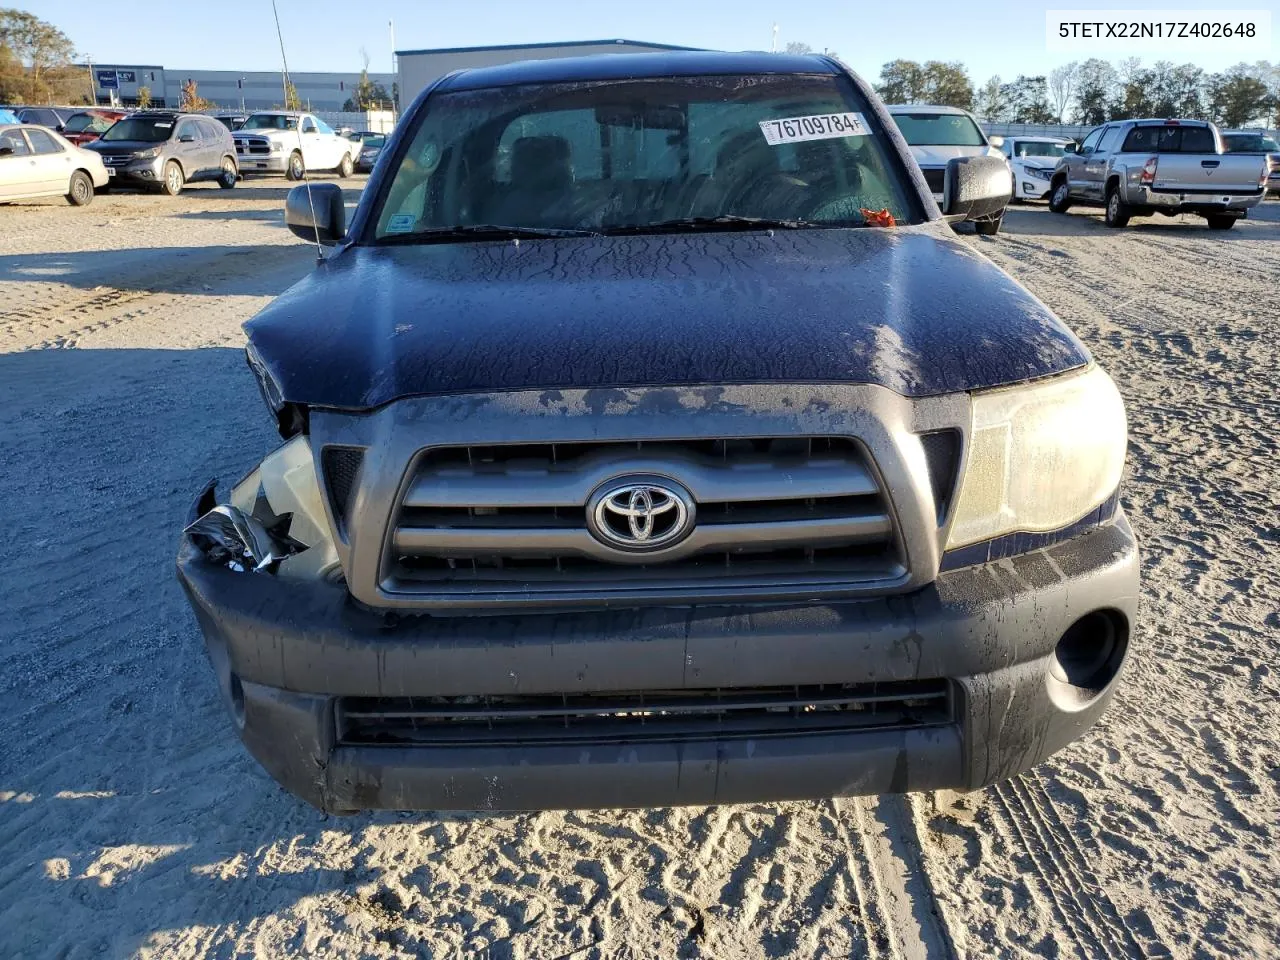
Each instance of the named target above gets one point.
<point>137,172</point>
<point>262,163</point>
<point>286,651</point>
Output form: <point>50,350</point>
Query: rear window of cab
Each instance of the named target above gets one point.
<point>1169,139</point>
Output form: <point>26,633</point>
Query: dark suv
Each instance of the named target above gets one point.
<point>166,150</point>
<point>650,438</point>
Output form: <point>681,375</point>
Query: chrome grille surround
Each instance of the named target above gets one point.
<point>880,522</point>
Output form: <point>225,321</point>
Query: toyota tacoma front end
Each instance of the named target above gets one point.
<point>650,439</point>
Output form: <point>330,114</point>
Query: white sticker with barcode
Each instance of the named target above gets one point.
<point>819,126</point>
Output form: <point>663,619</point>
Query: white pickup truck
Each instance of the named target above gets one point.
<point>291,142</point>
<point>1136,168</point>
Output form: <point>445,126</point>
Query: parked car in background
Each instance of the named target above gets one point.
<point>38,162</point>
<point>8,116</point>
<point>1032,161</point>
<point>370,148</point>
<point>290,142</point>
<point>1259,144</point>
<point>166,150</point>
<point>829,506</point>
<point>938,134</point>
<point>55,118</point>
<point>1136,168</point>
<point>232,121</point>
<point>88,125</point>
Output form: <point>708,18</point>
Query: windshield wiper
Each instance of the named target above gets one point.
<point>482,231</point>
<point>726,222</point>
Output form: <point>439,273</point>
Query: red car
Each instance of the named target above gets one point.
<point>89,125</point>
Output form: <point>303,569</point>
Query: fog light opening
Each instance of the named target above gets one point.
<point>237,701</point>
<point>1090,652</point>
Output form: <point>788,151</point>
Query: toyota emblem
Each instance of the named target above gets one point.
<point>639,514</point>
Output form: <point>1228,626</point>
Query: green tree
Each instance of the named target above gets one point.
<point>1095,92</point>
<point>1239,96</point>
<point>905,81</point>
<point>1028,99</point>
<point>901,81</point>
<point>36,60</point>
<point>990,103</point>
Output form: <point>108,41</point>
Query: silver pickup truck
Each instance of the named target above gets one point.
<point>1136,168</point>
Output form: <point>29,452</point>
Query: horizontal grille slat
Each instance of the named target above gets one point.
<point>765,510</point>
<point>457,541</point>
<point>637,716</point>
<point>548,484</point>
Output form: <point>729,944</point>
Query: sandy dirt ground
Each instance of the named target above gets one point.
<point>133,824</point>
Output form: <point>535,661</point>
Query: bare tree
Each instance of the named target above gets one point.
<point>795,46</point>
<point>1062,87</point>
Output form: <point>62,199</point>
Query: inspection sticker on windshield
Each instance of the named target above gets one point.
<point>401,223</point>
<point>820,126</point>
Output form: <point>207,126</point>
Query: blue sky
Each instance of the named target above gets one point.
<point>1004,37</point>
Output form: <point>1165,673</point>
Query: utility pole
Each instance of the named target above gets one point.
<point>774,48</point>
<point>93,87</point>
<point>242,94</point>
<point>391,25</point>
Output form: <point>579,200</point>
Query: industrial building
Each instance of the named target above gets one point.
<point>229,89</point>
<point>417,68</point>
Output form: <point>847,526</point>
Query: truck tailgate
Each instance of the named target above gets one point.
<point>1208,173</point>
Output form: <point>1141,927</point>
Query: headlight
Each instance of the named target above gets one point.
<point>1041,457</point>
<point>148,154</point>
<point>277,146</point>
<point>1040,173</point>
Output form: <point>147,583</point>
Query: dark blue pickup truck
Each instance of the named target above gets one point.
<point>651,439</point>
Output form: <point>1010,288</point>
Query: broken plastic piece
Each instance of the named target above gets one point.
<point>229,536</point>
<point>878,218</point>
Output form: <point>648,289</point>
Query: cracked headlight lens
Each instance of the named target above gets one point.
<point>1041,456</point>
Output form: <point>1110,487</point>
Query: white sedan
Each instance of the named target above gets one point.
<point>1032,160</point>
<point>37,162</point>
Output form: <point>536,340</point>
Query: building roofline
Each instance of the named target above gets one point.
<point>543,46</point>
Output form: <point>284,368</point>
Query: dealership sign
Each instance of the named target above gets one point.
<point>107,80</point>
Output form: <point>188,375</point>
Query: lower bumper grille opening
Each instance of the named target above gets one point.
<point>641,716</point>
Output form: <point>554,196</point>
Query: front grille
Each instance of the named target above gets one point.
<point>116,160</point>
<point>256,146</point>
<point>773,510</point>
<point>629,717</point>
<point>934,177</point>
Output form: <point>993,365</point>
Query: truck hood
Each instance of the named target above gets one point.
<point>913,309</point>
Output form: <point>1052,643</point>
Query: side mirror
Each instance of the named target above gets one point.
<point>315,212</point>
<point>186,138</point>
<point>974,187</point>
<point>996,141</point>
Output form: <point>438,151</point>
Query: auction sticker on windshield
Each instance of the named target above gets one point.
<point>819,126</point>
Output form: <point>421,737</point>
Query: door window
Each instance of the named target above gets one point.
<point>186,128</point>
<point>42,143</point>
<point>210,130</point>
<point>1109,139</point>
<point>323,127</point>
<point>308,125</point>
<point>1091,141</point>
<point>13,144</point>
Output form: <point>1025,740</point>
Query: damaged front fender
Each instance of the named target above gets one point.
<point>275,521</point>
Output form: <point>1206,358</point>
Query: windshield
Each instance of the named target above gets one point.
<point>939,130</point>
<point>1032,149</point>
<point>270,121</point>
<point>91,122</point>
<point>1249,143</point>
<point>629,154</point>
<point>145,129</point>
